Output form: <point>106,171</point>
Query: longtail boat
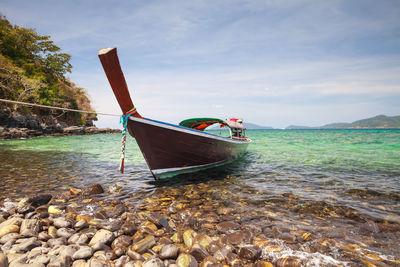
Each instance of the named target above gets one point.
<point>173,149</point>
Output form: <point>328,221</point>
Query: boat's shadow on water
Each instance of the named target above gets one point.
<point>238,166</point>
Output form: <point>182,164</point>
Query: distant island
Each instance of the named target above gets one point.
<point>377,122</point>
<point>252,126</point>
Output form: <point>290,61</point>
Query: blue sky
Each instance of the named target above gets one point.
<point>274,63</point>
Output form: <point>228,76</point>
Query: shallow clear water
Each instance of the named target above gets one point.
<point>306,179</point>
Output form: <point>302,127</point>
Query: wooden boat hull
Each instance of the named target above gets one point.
<point>171,149</point>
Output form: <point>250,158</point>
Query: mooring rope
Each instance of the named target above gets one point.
<point>53,107</point>
<point>124,121</point>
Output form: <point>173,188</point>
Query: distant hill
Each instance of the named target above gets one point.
<point>252,126</point>
<point>298,127</point>
<point>377,122</point>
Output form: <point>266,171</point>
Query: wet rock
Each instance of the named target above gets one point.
<point>3,260</point>
<point>62,222</point>
<point>54,210</point>
<point>290,261</point>
<point>209,262</point>
<point>65,232</point>
<point>30,227</point>
<point>169,251</point>
<point>370,226</point>
<point>83,253</point>
<point>94,189</point>
<point>204,240</point>
<point>263,264</point>
<point>199,252</point>
<point>157,219</point>
<point>62,261</point>
<point>237,238</point>
<point>39,200</point>
<point>225,227</point>
<point>128,228</point>
<point>122,241</point>
<point>8,229</point>
<point>134,255</point>
<point>188,237</point>
<point>249,253</point>
<point>153,263</point>
<point>26,244</point>
<point>102,236</point>
<point>288,238</point>
<point>81,224</point>
<point>186,260</point>
<point>144,244</point>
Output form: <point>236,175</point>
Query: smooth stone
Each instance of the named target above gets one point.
<point>57,241</point>
<point>3,260</point>
<point>119,252</point>
<point>225,227</point>
<point>99,246</point>
<point>130,264</point>
<point>169,251</point>
<point>39,200</point>
<point>134,255</point>
<point>65,232</point>
<point>81,224</point>
<point>199,252</point>
<point>204,240</point>
<point>288,261</point>
<point>54,210</point>
<point>11,228</point>
<point>12,221</point>
<point>26,244</point>
<point>186,260</point>
<point>94,189</point>
<point>9,236</point>
<point>157,219</point>
<point>62,222</point>
<point>94,262</point>
<point>68,250</point>
<point>249,253</point>
<point>288,238</point>
<point>56,250</point>
<point>78,239</point>
<point>83,253</point>
<point>237,238</point>
<point>102,236</point>
<point>42,259</point>
<point>44,236</point>
<point>144,244</point>
<point>62,261</point>
<point>79,263</point>
<point>188,237</point>
<point>263,264</point>
<point>52,231</point>
<point>121,261</point>
<point>153,263</point>
<point>122,241</point>
<point>128,228</point>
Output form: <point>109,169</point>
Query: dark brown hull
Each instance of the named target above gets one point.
<point>171,149</point>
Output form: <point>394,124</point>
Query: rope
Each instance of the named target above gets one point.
<point>52,107</point>
<point>124,122</point>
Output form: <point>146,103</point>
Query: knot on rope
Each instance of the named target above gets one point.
<point>124,122</point>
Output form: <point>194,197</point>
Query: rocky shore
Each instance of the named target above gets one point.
<point>16,126</point>
<point>83,227</point>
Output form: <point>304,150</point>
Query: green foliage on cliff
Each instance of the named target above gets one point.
<point>33,69</point>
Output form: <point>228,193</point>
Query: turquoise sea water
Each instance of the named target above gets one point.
<point>329,179</point>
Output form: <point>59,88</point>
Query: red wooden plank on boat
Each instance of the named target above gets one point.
<point>112,68</point>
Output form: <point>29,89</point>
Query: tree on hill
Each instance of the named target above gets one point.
<point>33,69</point>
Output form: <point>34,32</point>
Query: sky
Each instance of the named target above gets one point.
<point>273,63</point>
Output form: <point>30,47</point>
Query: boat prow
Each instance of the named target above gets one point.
<point>173,149</point>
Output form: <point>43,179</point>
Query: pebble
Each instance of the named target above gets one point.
<point>3,260</point>
<point>9,229</point>
<point>169,251</point>
<point>83,252</point>
<point>186,260</point>
<point>144,244</point>
<point>65,232</point>
<point>61,222</point>
<point>153,263</point>
<point>102,236</point>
